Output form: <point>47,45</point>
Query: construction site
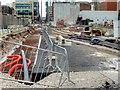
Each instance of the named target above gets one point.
<point>78,49</point>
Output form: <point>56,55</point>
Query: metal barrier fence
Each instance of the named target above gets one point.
<point>111,45</point>
<point>13,29</point>
<point>11,61</point>
<point>49,47</point>
<point>62,64</point>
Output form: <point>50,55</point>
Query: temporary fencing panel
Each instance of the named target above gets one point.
<point>40,61</point>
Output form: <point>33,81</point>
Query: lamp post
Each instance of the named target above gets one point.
<point>41,13</point>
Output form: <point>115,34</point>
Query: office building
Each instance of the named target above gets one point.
<point>49,11</point>
<point>27,9</point>
<point>6,10</point>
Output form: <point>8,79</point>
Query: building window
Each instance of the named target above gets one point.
<point>23,6</point>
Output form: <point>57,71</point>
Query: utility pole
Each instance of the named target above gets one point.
<point>41,13</point>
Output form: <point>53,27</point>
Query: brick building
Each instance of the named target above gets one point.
<point>108,5</point>
<point>6,10</point>
<point>85,6</point>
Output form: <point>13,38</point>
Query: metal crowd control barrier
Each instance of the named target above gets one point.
<point>26,76</point>
<point>49,47</point>
<point>13,51</point>
<point>61,61</point>
<point>62,64</point>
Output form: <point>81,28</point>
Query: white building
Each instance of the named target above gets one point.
<point>100,16</point>
<point>66,11</point>
<point>117,23</point>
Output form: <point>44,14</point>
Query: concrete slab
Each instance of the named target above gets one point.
<point>65,44</point>
<point>81,79</point>
<point>113,75</point>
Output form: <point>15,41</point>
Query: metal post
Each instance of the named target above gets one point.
<point>41,13</point>
<point>26,76</point>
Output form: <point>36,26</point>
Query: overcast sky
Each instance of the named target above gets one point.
<point>3,2</point>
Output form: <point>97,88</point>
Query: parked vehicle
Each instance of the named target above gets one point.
<point>95,41</point>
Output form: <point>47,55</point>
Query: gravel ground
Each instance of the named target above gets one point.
<point>10,84</point>
<point>89,80</point>
<point>4,83</point>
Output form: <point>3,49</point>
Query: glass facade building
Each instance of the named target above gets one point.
<point>27,9</point>
<point>26,0</point>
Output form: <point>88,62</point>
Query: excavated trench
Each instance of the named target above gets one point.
<point>31,40</point>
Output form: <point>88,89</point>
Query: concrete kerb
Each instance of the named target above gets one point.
<point>101,48</point>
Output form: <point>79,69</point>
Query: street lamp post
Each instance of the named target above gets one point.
<point>41,13</point>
